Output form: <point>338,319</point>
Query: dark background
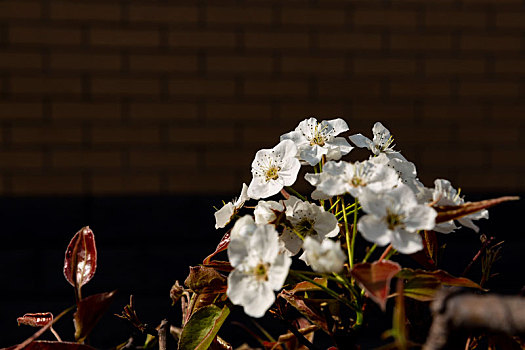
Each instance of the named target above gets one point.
<point>136,117</point>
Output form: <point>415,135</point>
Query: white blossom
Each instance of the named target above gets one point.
<point>313,140</point>
<point>272,169</point>
<point>325,257</point>
<point>444,194</point>
<point>342,177</point>
<point>382,142</point>
<point>395,217</point>
<point>406,171</point>
<point>265,211</point>
<point>260,267</point>
<point>224,215</point>
<point>309,220</point>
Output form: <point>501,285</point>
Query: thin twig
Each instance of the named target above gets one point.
<point>484,246</point>
<point>163,340</point>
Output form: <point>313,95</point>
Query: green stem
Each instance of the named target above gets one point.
<point>369,252</point>
<point>347,234</point>
<point>334,205</point>
<point>347,208</point>
<point>354,227</point>
<point>326,289</point>
<point>297,194</point>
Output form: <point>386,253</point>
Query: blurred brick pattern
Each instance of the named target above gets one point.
<point>144,97</point>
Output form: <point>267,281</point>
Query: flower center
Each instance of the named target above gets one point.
<point>357,181</point>
<point>306,227</point>
<point>317,138</point>
<point>261,271</point>
<point>272,173</point>
<point>394,220</point>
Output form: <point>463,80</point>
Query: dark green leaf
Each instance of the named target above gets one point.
<point>202,327</point>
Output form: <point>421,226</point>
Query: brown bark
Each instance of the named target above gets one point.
<point>455,313</point>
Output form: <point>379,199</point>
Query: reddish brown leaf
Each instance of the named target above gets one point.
<point>301,306</point>
<point>89,312</point>
<point>224,266</point>
<point>428,255</point>
<point>375,278</point>
<point>223,244</point>
<point>442,276</point>
<point>308,286</point>
<point>422,285</point>
<point>36,319</point>
<point>80,262</point>
<point>52,345</point>
<point>453,212</point>
<point>204,279</point>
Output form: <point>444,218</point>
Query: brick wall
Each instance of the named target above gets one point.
<point>144,97</point>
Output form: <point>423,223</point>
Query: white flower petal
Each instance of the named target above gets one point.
<point>224,215</point>
<point>243,227</point>
<point>256,298</point>
<point>338,125</point>
<point>445,227</point>
<point>420,217</point>
<point>264,242</point>
<point>285,149</point>
<point>338,147</point>
<point>279,271</point>
<point>374,203</point>
<point>292,242</point>
<point>263,212</point>
<point>238,251</point>
<point>360,141</point>
<point>374,229</point>
<point>313,154</point>
<point>262,189</point>
<point>325,257</point>
<point>406,242</point>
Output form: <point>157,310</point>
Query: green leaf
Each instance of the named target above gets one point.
<point>422,285</point>
<point>421,288</point>
<point>202,327</point>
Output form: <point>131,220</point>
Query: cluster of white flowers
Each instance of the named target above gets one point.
<point>396,207</point>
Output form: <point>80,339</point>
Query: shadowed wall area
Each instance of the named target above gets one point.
<point>136,117</point>
<point>134,97</point>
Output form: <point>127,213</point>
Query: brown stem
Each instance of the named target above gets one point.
<point>55,333</point>
<point>163,340</point>
<point>484,246</point>
<point>385,253</point>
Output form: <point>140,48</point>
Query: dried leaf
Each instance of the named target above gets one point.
<point>375,279</point>
<point>202,327</point>
<point>36,319</point>
<point>453,212</point>
<point>205,280</point>
<point>89,312</point>
<point>80,262</point>
<point>52,345</point>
